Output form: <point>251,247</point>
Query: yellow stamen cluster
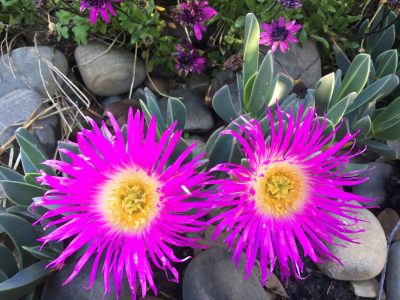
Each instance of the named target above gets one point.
<point>130,200</point>
<point>280,191</point>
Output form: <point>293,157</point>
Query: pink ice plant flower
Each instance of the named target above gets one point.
<point>279,34</point>
<point>97,7</point>
<point>123,201</point>
<point>193,14</point>
<point>289,195</point>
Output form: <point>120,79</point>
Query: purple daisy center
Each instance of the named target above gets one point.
<point>96,3</point>
<point>279,34</point>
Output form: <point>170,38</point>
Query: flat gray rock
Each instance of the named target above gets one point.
<point>108,73</point>
<point>393,273</point>
<point>361,261</point>
<point>31,64</point>
<point>212,276</point>
<point>199,118</point>
<point>300,62</point>
<point>378,174</point>
<point>16,108</point>
<point>9,81</point>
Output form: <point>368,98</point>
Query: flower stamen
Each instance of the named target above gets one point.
<point>280,190</point>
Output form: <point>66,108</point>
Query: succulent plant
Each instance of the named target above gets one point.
<point>22,262</point>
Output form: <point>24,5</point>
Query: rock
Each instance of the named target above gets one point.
<point>47,131</point>
<point>112,99</point>
<point>158,84</point>
<point>198,82</point>
<point>25,61</point>
<point>8,82</point>
<point>201,146</point>
<point>379,174</point>
<point>198,118</point>
<point>121,108</point>
<point>77,288</point>
<point>16,108</point>
<point>212,275</point>
<point>393,273</point>
<point>365,288</point>
<point>300,63</point>
<point>108,72</point>
<point>223,77</point>
<point>361,261</point>
<point>388,219</point>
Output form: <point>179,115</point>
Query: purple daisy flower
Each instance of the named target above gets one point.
<point>290,3</point>
<point>194,14</point>
<point>125,203</point>
<point>394,3</point>
<point>289,195</point>
<point>279,34</point>
<point>99,6</point>
<point>188,59</point>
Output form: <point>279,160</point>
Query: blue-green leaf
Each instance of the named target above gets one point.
<point>223,104</point>
<point>176,111</point>
<point>251,47</point>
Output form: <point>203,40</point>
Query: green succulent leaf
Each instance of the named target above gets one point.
<point>45,253</point>
<point>20,193</point>
<point>21,211</point>
<point>248,88</point>
<point>24,282</point>
<point>176,111</point>
<point>8,264</point>
<point>11,175</point>
<point>381,149</point>
<point>387,124</point>
<point>21,233</point>
<point>375,91</point>
<point>30,178</point>
<point>251,47</point>
<point>364,125</point>
<point>213,139</point>
<point>280,88</point>
<point>223,104</point>
<point>342,60</point>
<point>323,92</point>
<point>68,146</point>
<point>32,156</point>
<point>336,113</point>
<point>356,76</point>
<point>262,83</point>
<point>338,84</point>
<point>154,109</point>
<point>386,63</point>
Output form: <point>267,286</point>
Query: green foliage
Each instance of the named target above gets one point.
<point>17,13</point>
<point>22,262</point>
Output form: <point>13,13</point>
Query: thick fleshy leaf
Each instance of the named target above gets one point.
<point>248,88</point>
<point>384,40</point>
<point>176,111</point>
<point>262,83</point>
<point>356,76</point>
<point>45,253</point>
<point>342,60</point>
<point>154,109</point>
<point>389,116</point>
<point>223,104</point>
<point>32,156</point>
<point>21,211</point>
<point>386,63</point>
<point>8,265</point>
<point>336,113</point>
<point>323,92</point>
<point>24,282</point>
<point>21,233</point>
<point>364,125</point>
<point>280,88</point>
<point>30,178</point>
<point>8,174</point>
<point>375,91</point>
<point>251,47</point>
<point>381,149</point>
<point>338,84</point>
<point>20,193</point>
<point>68,146</point>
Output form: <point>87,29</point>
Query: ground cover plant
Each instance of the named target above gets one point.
<point>199,149</point>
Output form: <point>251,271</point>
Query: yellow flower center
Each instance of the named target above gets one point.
<point>130,200</point>
<point>280,191</point>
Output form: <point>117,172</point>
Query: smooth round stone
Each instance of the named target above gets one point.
<point>389,218</point>
<point>300,63</point>
<point>378,174</point>
<point>361,261</point>
<point>108,72</point>
<point>31,64</point>
<point>77,288</point>
<point>212,275</point>
<point>365,288</point>
<point>393,273</point>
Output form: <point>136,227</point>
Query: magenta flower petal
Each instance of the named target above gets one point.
<point>290,194</point>
<point>122,201</point>
<point>194,14</point>
<point>279,34</point>
<point>98,6</point>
